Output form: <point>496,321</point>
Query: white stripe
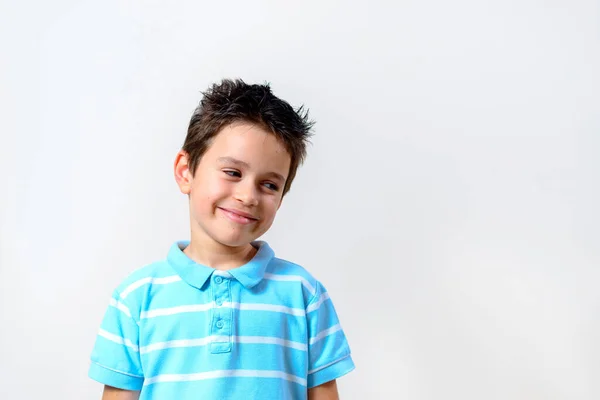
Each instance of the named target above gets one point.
<point>316,305</point>
<point>232,373</point>
<point>205,307</point>
<point>149,280</point>
<point>327,365</point>
<point>291,278</point>
<point>221,339</point>
<point>179,343</point>
<point>117,304</point>
<point>117,339</point>
<point>270,340</point>
<point>265,307</point>
<point>324,333</point>
<point>176,310</point>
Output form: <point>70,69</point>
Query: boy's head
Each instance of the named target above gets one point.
<point>239,158</point>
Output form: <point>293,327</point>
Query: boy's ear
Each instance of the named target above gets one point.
<point>183,175</point>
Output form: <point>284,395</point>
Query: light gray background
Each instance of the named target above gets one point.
<point>449,202</point>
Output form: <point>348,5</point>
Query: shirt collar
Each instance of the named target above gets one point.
<point>196,274</point>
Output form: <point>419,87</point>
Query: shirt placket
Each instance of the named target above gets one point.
<point>222,316</point>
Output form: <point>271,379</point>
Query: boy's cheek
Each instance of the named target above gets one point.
<point>271,213</point>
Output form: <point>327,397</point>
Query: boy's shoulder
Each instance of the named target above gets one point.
<point>285,270</point>
<point>281,266</point>
<point>157,271</point>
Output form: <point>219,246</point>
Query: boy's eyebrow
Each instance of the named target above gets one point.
<point>231,160</point>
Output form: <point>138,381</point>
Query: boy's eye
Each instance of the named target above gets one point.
<point>233,173</point>
<point>272,186</point>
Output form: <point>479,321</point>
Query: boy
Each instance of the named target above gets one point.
<point>222,317</point>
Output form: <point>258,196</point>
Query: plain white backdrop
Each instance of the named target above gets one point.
<point>449,202</point>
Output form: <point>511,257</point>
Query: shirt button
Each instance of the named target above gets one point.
<point>219,302</point>
<point>218,280</point>
<point>220,324</point>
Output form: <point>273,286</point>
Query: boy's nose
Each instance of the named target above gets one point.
<point>246,194</point>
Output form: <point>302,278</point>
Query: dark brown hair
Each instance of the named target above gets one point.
<point>236,101</point>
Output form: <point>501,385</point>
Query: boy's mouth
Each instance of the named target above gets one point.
<point>238,216</point>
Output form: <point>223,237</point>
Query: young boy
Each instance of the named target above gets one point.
<point>221,317</point>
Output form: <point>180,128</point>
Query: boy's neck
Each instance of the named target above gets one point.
<point>218,256</point>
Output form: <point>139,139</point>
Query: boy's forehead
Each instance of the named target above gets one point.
<point>251,145</point>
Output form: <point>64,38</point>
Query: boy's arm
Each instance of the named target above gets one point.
<point>326,391</point>
<point>112,393</point>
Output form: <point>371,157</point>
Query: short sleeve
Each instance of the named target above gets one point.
<point>329,353</point>
<point>115,359</point>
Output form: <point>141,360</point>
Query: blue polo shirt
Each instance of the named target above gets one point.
<point>176,329</point>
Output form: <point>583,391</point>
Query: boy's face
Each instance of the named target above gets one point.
<point>237,187</point>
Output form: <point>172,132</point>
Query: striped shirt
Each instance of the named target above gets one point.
<point>176,329</point>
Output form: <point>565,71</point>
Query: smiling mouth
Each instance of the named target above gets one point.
<point>237,216</point>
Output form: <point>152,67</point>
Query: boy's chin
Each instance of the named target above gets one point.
<point>235,241</point>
